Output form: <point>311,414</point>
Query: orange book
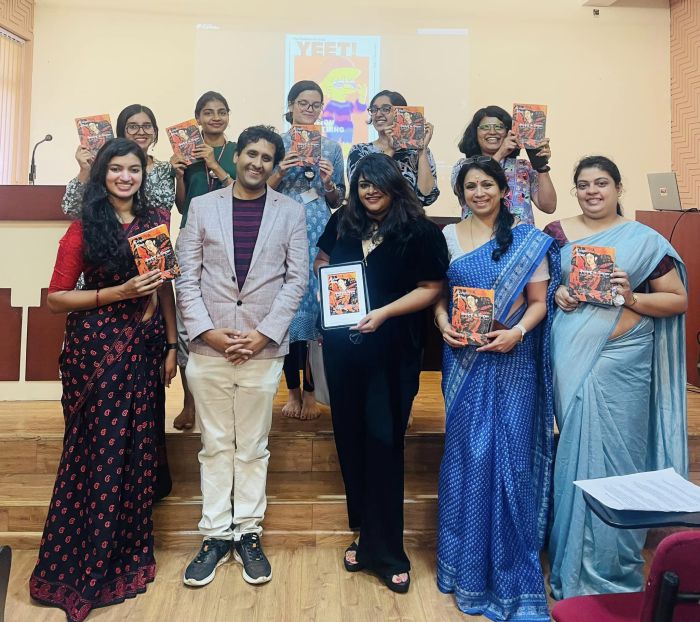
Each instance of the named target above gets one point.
<point>185,137</point>
<point>94,132</point>
<point>472,313</point>
<point>153,250</point>
<point>591,270</point>
<point>530,124</point>
<point>306,141</point>
<point>342,293</point>
<point>408,131</point>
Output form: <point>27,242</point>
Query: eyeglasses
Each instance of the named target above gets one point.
<point>133,128</point>
<point>482,159</point>
<point>496,127</point>
<point>386,109</point>
<point>304,105</point>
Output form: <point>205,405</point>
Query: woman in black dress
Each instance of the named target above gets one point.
<point>373,368</point>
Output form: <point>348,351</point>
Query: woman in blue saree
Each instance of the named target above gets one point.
<point>495,471</point>
<point>619,383</point>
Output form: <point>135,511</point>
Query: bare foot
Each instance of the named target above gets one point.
<point>309,408</point>
<point>292,408</point>
<point>185,420</point>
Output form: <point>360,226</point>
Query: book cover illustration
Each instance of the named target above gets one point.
<point>343,293</point>
<point>591,269</point>
<point>408,131</point>
<point>529,124</point>
<point>93,132</point>
<point>153,250</point>
<point>185,137</point>
<point>472,313</point>
<point>306,141</point>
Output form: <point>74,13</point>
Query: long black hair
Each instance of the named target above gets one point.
<point>129,112</point>
<point>604,164</point>
<point>503,231</point>
<point>297,89</point>
<point>469,144</point>
<point>105,243</point>
<point>383,173</point>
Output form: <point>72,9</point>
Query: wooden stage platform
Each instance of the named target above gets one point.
<point>305,526</point>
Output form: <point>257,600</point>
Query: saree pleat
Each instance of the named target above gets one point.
<point>495,471</point>
<point>620,406</point>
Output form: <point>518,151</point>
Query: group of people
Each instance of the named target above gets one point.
<point>257,226</point>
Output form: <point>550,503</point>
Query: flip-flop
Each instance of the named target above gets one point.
<point>349,566</point>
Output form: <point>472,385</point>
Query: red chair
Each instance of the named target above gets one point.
<point>672,591</point>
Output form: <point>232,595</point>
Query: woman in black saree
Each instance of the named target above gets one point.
<point>119,350</point>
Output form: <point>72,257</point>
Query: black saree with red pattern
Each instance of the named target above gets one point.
<point>97,545</point>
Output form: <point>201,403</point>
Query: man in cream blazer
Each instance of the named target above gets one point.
<point>244,261</point>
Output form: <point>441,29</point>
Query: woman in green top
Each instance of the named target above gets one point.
<point>213,169</point>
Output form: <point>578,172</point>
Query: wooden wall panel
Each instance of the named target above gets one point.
<point>44,340</point>
<point>685,95</point>
<point>10,336</point>
<point>18,16</point>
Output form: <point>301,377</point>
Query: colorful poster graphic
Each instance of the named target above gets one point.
<point>347,69</point>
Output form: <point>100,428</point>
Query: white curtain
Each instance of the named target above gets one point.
<point>11,77</point>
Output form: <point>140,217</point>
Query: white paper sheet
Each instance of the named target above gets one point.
<point>653,491</point>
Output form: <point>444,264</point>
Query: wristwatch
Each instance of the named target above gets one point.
<point>545,169</point>
<point>523,330</point>
<point>171,346</point>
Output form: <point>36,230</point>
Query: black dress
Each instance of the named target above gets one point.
<point>372,385</point>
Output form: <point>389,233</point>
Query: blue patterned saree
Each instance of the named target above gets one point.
<point>496,469</point>
<point>620,407</point>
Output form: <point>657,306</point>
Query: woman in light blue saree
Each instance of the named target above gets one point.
<point>496,469</point>
<point>619,383</point>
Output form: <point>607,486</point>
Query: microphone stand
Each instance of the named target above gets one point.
<point>32,166</point>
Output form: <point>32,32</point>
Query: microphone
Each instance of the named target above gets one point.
<point>32,167</point>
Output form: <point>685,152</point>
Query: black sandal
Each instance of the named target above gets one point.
<point>399,588</point>
<point>350,566</point>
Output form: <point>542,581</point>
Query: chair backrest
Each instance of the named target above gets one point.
<point>5,564</point>
<point>678,553</point>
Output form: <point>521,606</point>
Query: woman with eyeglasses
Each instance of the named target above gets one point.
<point>619,383</point>
<point>213,169</point>
<point>373,368</point>
<point>489,133</point>
<point>417,166</point>
<point>496,468</point>
<point>138,124</point>
<point>318,189</point>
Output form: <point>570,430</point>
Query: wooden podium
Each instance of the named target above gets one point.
<point>682,229</point>
<point>44,335</point>
<point>25,203</point>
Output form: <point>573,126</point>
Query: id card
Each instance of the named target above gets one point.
<point>309,195</point>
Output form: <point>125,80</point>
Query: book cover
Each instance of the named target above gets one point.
<point>185,137</point>
<point>529,124</point>
<point>153,250</point>
<point>472,313</point>
<point>93,132</point>
<point>589,278</point>
<point>306,141</point>
<point>408,131</point>
<point>343,293</point>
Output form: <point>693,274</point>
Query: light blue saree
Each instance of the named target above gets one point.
<point>621,408</point>
<point>496,469</point>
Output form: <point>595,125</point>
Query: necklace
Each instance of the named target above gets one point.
<point>471,232</point>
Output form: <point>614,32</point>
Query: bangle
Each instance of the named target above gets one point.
<point>171,346</point>
<point>97,297</point>
<point>522,330</point>
<point>224,180</point>
<point>333,188</point>
<point>635,300</point>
